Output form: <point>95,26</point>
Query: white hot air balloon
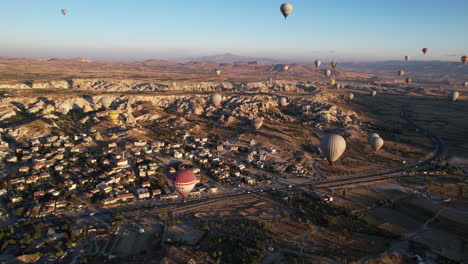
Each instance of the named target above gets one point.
<point>333,146</point>
<point>286,9</point>
<point>453,96</point>
<point>372,135</point>
<point>218,72</point>
<point>318,63</point>
<point>373,93</point>
<point>327,73</point>
<point>283,101</point>
<point>216,99</point>
<point>376,143</point>
<point>465,84</point>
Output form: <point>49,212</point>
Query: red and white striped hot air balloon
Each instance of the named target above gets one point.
<point>257,123</point>
<point>184,181</point>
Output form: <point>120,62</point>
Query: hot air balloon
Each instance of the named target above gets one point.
<point>408,80</point>
<point>407,58</point>
<point>373,93</point>
<point>333,146</point>
<point>337,85</point>
<point>218,72</point>
<point>257,123</point>
<point>184,181</point>
<point>286,9</point>
<point>425,50</point>
<point>318,63</point>
<point>453,96</point>
<point>106,101</point>
<point>376,143</point>
<point>333,64</point>
<point>350,96</point>
<point>64,12</point>
<point>465,84</point>
<point>285,67</point>
<point>372,135</point>
<point>283,101</point>
<point>464,59</point>
<point>332,82</point>
<point>216,99</point>
<point>113,115</point>
<point>327,73</point>
<point>401,72</point>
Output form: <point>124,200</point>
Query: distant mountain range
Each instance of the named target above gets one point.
<point>231,58</point>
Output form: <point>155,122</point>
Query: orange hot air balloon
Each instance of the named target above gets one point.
<point>285,67</point>
<point>425,50</point>
<point>401,73</point>
<point>464,59</point>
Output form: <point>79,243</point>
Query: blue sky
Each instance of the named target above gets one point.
<point>347,30</point>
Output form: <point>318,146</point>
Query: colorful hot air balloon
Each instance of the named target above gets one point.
<point>283,101</point>
<point>350,96</point>
<point>408,80</point>
<point>285,67</point>
<point>216,99</point>
<point>257,123</point>
<point>113,115</point>
<point>327,73</point>
<point>373,93</point>
<point>286,9</point>
<point>453,96</point>
<point>464,59</point>
<point>333,64</point>
<point>218,72</point>
<point>332,82</point>
<point>184,181</point>
<point>376,143</point>
<point>106,101</point>
<point>317,63</point>
<point>64,12</point>
<point>401,72</point>
<point>407,58</point>
<point>425,50</point>
<point>333,146</point>
<point>372,135</point>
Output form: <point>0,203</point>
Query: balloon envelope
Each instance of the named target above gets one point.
<point>218,72</point>
<point>285,67</point>
<point>408,80</point>
<point>332,82</point>
<point>407,58</point>
<point>333,146</point>
<point>113,115</point>
<point>350,96</point>
<point>464,59</point>
<point>327,73</point>
<point>283,101</point>
<point>64,11</point>
<point>257,123</point>
<point>376,143</point>
<point>216,99</point>
<point>425,50</point>
<point>286,9</point>
<point>401,72</point>
<point>372,135</point>
<point>373,93</point>
<point>184,181</point>
<point>317,63</point>
<point>465,84</point>
<point>453,96</point>
<point>333,64</point>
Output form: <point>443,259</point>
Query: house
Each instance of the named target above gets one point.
<point>143,193</point>
<point>146,184</point>
<point>125,197</point>
<point>122,162</point>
